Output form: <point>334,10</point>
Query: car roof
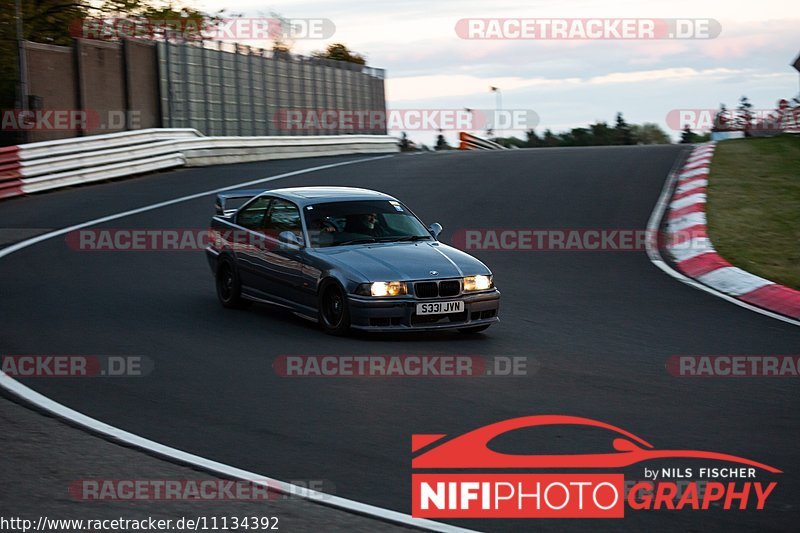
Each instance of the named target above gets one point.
<point>313,195</point>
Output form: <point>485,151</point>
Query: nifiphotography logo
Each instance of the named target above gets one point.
<point>465,477</point>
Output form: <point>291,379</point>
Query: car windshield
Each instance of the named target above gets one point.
<point>353,222</point>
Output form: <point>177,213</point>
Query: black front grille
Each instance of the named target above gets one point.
<point>449,288</point>
<point>426,289</point>
<point>421,320</point>
<point>435,289</point>
<point>386,321</point>
<point>480,315</point>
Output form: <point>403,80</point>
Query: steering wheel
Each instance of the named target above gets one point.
<point>328,227</point>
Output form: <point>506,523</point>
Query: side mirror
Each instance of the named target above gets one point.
<point>220,211</point>
<point>435,229</point>
<point>289,240</point>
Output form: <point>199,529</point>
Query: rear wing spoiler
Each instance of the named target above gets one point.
<point>223,201</point>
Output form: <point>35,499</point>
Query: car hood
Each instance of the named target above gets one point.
<point>404,261</point>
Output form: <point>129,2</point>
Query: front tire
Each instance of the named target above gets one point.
<point>229,287</point>
<point>334,312</point>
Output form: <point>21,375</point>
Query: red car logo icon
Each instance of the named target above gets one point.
<point>471,450</point>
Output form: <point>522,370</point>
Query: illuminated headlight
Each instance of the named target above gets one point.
<point>382,288</point>
<point>478,283</point>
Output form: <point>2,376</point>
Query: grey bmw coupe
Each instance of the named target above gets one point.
<point>346,258</point>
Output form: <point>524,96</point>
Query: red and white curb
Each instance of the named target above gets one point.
<point>689,246</point>
<point>10,173</point>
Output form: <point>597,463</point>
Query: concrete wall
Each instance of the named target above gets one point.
<point>141,64</point>
<point>52,78</point>
<point>102,84</point>
<point>225,89</point>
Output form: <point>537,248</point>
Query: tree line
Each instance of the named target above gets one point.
<point>53,21</point>
<point>598,134</point>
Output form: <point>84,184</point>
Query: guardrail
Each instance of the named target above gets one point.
<point>221,150</point>
<point>103,172</point>
<point>473,142</point>
<point>107,141</point>
<point>41,166</point>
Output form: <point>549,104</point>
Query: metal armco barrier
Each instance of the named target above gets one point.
<point>222,150</point>
<point>473,142</point>
<point>42,166</point>
<point>103,142</point>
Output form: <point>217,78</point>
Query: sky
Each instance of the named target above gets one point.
<point>568,83</point>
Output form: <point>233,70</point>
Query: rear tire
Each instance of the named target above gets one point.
<point>474,329</point>
<point>229,287</point>
<point>334,312</point>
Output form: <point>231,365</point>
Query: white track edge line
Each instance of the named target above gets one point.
<point>654,254</point>
<point>24,244</point>
<point>43,402</point>
<point>29,395</point>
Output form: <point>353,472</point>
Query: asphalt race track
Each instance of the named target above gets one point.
<point>599,326</point>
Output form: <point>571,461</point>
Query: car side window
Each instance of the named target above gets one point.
<point>252,216</point>
<point>283,216</point>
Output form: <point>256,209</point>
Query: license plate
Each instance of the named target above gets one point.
<point>440,308</point>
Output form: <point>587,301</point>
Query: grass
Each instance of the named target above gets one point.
<point>754,206</point>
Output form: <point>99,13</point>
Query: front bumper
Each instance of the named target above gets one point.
<point>400,314</point>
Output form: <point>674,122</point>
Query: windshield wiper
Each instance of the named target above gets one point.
<point>404,238</point>
<point>355,241</point>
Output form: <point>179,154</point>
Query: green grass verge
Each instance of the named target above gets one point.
<point>754,206</point>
